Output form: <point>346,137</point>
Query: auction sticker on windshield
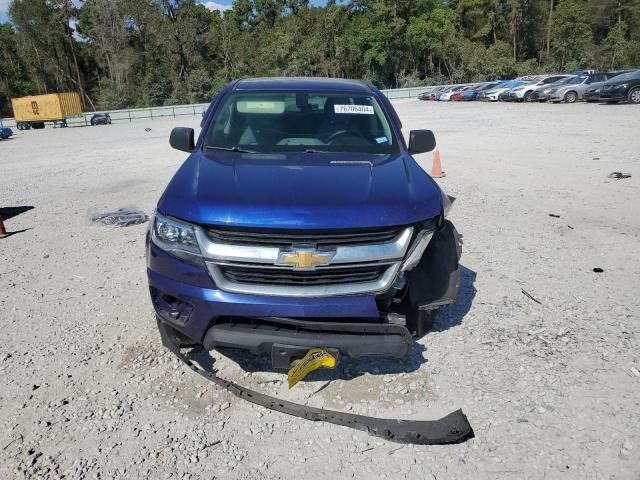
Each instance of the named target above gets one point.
<point>361,109</point>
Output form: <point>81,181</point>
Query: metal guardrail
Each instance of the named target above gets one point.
<point>131,114</point>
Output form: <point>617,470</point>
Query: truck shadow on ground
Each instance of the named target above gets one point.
<point>349,368</point>
<point>9,212</point>
<point>453,315</point>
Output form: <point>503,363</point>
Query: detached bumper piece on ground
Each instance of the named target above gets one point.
<point>454,428</point>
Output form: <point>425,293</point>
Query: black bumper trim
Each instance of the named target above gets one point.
<point>354,340</point>
<point>454,428</point>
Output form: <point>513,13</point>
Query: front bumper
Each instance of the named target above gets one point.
<point>539,97</point>
<point>186,299</point>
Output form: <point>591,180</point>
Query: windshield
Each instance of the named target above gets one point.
<point>301,122</point>
<point>571,80</point>
<point>627,76</point>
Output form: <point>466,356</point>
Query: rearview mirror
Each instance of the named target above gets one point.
<point>421,141</point>
<point>182,139</point>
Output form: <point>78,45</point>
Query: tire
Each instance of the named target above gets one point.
<point>37,125</point>
<point>527,96</point>
<point>570,97</point>
<point>633,96</point>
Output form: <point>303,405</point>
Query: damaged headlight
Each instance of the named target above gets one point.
<point>174,237</point>
<point>420,244</point>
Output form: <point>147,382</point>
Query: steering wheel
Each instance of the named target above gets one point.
<point>335,135</point>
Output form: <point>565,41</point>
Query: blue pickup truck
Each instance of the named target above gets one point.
<point>300,219</point>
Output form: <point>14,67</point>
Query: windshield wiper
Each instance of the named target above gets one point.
<point>313,150</point>
<point>229,149</point>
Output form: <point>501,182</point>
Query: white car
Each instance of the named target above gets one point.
<point>524,93</point>
<point>493,95</point>
<point>446,95</point>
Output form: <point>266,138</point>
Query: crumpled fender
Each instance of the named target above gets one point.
<point>453,428</point>
<point>435,281</point>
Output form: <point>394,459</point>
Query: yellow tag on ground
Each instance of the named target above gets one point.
<point>314,359</point>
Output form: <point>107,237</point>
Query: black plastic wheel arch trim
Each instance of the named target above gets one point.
<point>453,428</point>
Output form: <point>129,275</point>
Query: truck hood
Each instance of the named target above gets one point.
<point>301,190</point>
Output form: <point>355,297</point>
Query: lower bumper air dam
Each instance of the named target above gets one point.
<point>354,340</point>
<point>454,428</point>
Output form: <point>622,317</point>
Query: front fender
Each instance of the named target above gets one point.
<point>435,281</point>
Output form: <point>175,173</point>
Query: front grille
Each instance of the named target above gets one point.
<point>280,262</point>
<point>324,276</point>
<point>276,238</point>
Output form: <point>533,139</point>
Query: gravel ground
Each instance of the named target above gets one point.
<point>551,387</point>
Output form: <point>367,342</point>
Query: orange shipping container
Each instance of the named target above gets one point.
<point>41,108</point>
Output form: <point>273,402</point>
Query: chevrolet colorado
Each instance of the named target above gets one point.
<point>300,219</point>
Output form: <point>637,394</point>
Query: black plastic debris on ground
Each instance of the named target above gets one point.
<point>123,217</point>
<point>598,270</point>
<point>618,175</point>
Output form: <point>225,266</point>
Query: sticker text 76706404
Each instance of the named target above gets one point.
<point>360,109</point>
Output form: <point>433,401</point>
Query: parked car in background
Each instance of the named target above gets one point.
<point>5,132</point>
<point>428,92</point>
<point>542,94</point>
<point>493,95</point>
<point>457,96</point>
<point>574,91</point>
<point>101,119</point>
<point>445,95</point>
<point>437,91</point>
<point>622,88</point>
<point>592,93</point>
<point>472,93</point>
<point>516,94</point>
<point>524,92</point>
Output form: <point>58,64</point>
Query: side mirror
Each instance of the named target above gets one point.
<point>421,141</point>
<point>182,139</point>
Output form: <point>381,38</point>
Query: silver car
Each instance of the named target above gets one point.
<point>525,92</point>
<point>575,90</point>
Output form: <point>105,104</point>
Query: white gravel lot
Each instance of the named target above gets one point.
<point>552,390</point>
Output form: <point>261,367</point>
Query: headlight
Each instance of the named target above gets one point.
<point>623,85</point>
<point>417,249</point>
<point>174,237</point>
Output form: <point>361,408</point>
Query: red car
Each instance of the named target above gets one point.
<point>457,96</point>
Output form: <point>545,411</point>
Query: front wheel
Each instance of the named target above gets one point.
<point>634,96</point>
<point>527,97</point>
<point>571,97</point>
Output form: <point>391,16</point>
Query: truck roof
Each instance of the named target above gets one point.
<point>302,83</point>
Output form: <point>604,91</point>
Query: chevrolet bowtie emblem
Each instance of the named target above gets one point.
<point>304,258</point>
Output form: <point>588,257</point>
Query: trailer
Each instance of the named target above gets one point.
<point>33,111</point>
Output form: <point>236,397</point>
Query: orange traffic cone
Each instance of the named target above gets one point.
<point>3,232</point>
<point>436,170</point>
